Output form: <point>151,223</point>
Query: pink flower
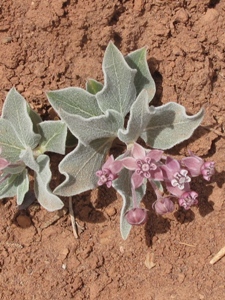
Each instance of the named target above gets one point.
<point>163,206</point>
<point>176,178</point>
<point>136,216</point>
<point>109,171</point>
<point>188,199</point>
<point>197,166</point>
<point>144,164</point>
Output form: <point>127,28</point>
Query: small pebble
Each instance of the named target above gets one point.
<point>111,211</point>
<point>20,88</point>
<point>23,221</point>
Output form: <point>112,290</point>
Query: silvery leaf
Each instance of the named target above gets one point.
<point>42,190</point>
<point>16,112</point>
<point>143,78</point>
<point>119,90</point>
<point>170,125</point>
<point>53,136</point>
<point>74,100</point>
<point>80,166</point>
<point>88,130</point>
<point>139,118</point>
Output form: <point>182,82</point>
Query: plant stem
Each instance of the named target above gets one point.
<point>134,197</point>
<point>71,212</point>
<point>156,190</point>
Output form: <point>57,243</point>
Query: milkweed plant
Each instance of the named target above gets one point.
<point>120,109</point>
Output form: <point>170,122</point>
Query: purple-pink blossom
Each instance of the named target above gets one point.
<point>144,164</point>
<point>109,171</point>
<point>176,178</point>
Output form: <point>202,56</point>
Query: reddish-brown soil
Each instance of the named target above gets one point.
<point>51,44</point>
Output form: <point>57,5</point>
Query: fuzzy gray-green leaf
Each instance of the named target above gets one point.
<point>80,166</point>
<point>42,190</point>
<point>9,142</point>
<point>139,118</point>
<point>16,112</point>
<point>53,136</point>
<point>170,125</point>
<point>119,90</point>
<point>143,79</point>
<point>8,188</point>
<point>74,100</point>
<point>88,130</point>
<point>23,187</point>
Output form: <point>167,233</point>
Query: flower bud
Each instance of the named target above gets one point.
<point>163,206</point>
<point>136,216</point>
<point>208,169</point>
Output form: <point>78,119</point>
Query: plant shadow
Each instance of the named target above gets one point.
<point>89,206</point>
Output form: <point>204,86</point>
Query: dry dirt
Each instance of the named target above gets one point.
<point>51,44</point>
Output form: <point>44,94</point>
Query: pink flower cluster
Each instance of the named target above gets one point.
<point>153,165</point>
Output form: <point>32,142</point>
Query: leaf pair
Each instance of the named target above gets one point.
<point>23,140</point>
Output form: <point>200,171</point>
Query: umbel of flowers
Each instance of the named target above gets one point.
<point>154,166</point>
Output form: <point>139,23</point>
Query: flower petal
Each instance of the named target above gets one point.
<point>136,180</point>
<point>138,151</point>
<point>129,163</point>
<point>155,154</point>
<point>157,175</point>
<point>116,166</point>
<point>109,161</point>
<point>173,164</point>
<point>193,164</point>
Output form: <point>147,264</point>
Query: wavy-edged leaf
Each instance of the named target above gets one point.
<point>80,166</point>
<point>9,142</point>
<point>88,130</point>
<point>16,112</point>
<point>123,186</point>
<point>8,188</point>
<point>140,115</point>
<point>170,125</point>
<point>93,86</point>
<point>42,190</point>
<point>53,136</point>
<point>119,90</point>
<point>28,158</point>
<point>23,187</point>
<point>74,100</point>
<point>143,79</point>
